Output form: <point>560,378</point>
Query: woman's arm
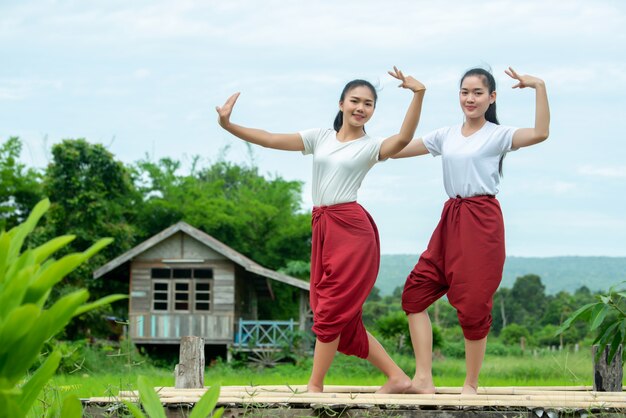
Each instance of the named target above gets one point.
<point>286,142</point>
<point>392,145</point>
<point>530,136</point>
<point>416,147</point>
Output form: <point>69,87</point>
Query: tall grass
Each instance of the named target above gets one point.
<point>548,369</point>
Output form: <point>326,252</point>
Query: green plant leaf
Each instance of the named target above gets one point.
<point>98,303</point>
<point>206,404</point>
<point>579,314</point>
<point>15,288</point>
<point>24,352</point>
<point>17,359</point>
<point>597,315</point>
<point>150,399</point>
<point>604,333</point>
<point>617,340</point>
<point>9,408</point>
<point>58,270</point>
<point>19,233</point>
<point>31,389</point>
<point>44,251</point>
<point>134,409</point>
<point>52,275</point>
<point>63,310</point>
<point>5,243</point>
<point>72,408</point>
<point>17,324</point>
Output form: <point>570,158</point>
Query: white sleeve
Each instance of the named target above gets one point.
<point>433,141</point>
<point>310,138</point>
<point>505,138</point>
<point>376,151</point>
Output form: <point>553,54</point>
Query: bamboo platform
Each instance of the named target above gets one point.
<point>362,401</point>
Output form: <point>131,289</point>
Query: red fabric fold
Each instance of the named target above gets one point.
<point>345,258</point>
<point>465,258</point>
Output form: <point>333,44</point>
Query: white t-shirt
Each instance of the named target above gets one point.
<point>338,167</point>
<point>470,164</point>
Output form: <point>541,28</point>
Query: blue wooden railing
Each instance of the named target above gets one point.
<point>264,334</point>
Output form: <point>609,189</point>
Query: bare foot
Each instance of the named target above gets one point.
<point>311,388</point>
<point>469,389</point>
<point>398,384</point>
<point>424,386</point>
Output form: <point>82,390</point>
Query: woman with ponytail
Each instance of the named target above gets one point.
<point>345,249</point>
<point>465,255</point>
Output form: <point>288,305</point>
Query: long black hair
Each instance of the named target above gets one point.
<point>490,83</point>
<point>338,123</point>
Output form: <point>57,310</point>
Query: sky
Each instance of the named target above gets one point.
<point>144,77</point>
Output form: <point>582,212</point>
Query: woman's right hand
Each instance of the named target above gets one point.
<point>408,82</point>
<point>225,111</point>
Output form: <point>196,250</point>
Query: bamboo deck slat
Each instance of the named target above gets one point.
<point>554,397</point>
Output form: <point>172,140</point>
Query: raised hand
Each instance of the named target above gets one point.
<point>523,80</point>
<point>408,82</point>
<point>225,111</point>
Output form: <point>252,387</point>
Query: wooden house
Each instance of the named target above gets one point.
<point>185,282</point>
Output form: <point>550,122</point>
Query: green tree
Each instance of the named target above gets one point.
<point>20,188</point>
<point>513,333</point>
<point>374,295</point>
<point>92,196</point>
<point>528,301</point>
<point>502,311</point>
<point>258,217</point>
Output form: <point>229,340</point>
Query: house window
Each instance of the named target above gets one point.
<point>181,295</point>
<point>160,295</point>
<point>203,295</point>
<point>181,289</point>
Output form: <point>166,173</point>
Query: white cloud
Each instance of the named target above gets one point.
<point>24,88</point>
<point>549,187</point>
<point>148,71</point>
<point>142,73</point>
<point>326,24</point>
<point>610,172</point>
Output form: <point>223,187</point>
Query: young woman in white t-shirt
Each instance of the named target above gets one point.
<point>465,255</point>
<point>345,251</point>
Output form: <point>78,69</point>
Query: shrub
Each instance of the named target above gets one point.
<point>26,323</point>
<point>512,334</point>
<point>607,316</point>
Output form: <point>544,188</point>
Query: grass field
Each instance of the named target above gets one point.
<point>548,369</point>
<point>560,368</point>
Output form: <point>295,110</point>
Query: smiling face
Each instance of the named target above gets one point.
<point>474,97</point>
<point>358,106</point>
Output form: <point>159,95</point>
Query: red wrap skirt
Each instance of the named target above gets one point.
<point>465,259</point>
<point>345,257</point>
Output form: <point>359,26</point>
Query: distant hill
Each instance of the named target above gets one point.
<point>557,273</point>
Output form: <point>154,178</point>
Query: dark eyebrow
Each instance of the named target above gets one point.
<point>360,98</point>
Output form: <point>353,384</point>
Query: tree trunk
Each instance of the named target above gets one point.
<point>189,371</point>
<point>607,377</point>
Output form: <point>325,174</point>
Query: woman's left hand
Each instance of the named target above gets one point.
<point>408,82</point>
<point>524,80</point>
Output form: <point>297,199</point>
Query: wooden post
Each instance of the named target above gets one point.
<point>189,371</point>
<point>607,377</point>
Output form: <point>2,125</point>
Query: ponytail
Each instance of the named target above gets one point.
<point>338,123</point>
